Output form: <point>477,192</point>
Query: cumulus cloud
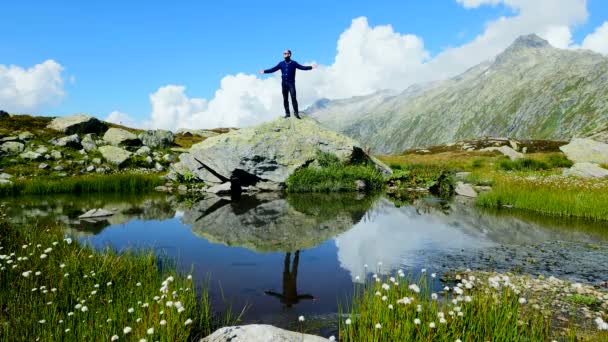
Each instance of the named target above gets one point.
<point>122,119</point>
<point>598,40</point>
<point>27,90</point>
<point>369,59</point>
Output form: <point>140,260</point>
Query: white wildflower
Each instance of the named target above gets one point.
<point>188,322</point>
<point>378,326</point>
<point>301,318</point>
<point>150,331</point>
<point>114,338</point>
<point>163,322</point>
<point>417,321</point>
<point>43,256</point>
<point>348,321</point>
<point>432,325</point>
<point>126,330</point>
<point>130,310</point>
<point>522,300</point>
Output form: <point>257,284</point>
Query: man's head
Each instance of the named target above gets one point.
<point>287,55</point>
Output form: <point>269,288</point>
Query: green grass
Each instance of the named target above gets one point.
<point>479,314</point>
<point>548,162</point>
<point>52,288</point>
<point>550,195</point>
<point>115,183</point>
<point>581,299</point>
<point>334,179</point>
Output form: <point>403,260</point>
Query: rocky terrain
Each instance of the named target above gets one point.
<point>81,144</point>
<point>529,91</point>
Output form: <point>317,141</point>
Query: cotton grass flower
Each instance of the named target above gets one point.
<point>432,325</point>
<point>348,321</point>
<point>163,322</point>
<point>301,318</point>
<point>414,288</point>
<point>48,250</point>
<point>188,322</point>
<point>127,330</point>
<point>433,296</point>
<point>84,309</point>
<point>522,300</point>
<point>43,256</point>
<point>378,326</point>
<point>114,338</point>
<point>417,321</point>
<point>332,338</point>
<point>150,331</point>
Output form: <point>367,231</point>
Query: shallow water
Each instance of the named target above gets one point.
<point>300,254</point>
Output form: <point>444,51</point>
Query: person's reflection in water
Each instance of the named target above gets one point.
<point>290,296</point>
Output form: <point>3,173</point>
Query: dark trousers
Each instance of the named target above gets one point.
<point>289,88</point>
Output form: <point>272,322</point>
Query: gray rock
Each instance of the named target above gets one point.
<point>30,155</point>
<point>4,175</point>
<point>12,147</point>
<point>514,145</point>
<point>269,152</point>
<point>96,213</point>
<point>90,168</point>
<point>464,189</point>
<point>47,156</point>
<point>88,142</point>
<point>25,136</point>
<point>5,182</point>
<point>169,158</point>
<point>163,188</point>
<point>143,151</point>
<point>461,175</point>
<point>58,168</point>
<point>586,170</point>
<point>360,185</point>
<point>157,138</point>
<point>120,137</point>
<point>182,188</point>
<point>43,166</point>
<point>10,138</point>
<point>96,161</point>
<point>586,151</point>
<point>101,170</point>
<point>203,133</point>
<point>259,333</point>
<point>505,150</point>
<point>41,150</point>
<point>158,167</point>
<point>115,155</point>
<point>83,152</point>
<point>72,141</point>
<point>149,160</point>
<point>56,155</point>
<point>79,123</point>
<point>218,189</point>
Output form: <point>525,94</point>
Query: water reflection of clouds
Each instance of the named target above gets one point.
<point>401,237</point>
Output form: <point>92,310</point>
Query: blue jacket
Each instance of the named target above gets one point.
<point>288,70</point>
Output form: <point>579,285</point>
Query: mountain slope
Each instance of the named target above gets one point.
<point>530,91</point>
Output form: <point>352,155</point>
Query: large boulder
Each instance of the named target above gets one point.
<point>267,153</point>
<point>586,170</point>
<point>157,138</point>
<point>30,155</point>
<point>581,150</point>
<point>115,155</point>
<point>120,137</point>
<point>72,141</point>
<point>12,147</point>
<point>88,142</point>
<point>79,123</point>
<point>259,333</point>
<point>505,150</point>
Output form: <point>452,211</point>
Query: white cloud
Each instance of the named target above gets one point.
<point>122,119</point>
<point>598,40</point>
<point>27,90</point>
<point>369,59</point>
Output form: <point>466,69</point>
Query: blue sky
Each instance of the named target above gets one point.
<point>115,54</point>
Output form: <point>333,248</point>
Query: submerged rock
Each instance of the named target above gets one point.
<point>586,151</point>
<point>79,123</point>
<point>269,152</point>
<point>259,333</point>
<point>586,170</point>
<point>464,189</point>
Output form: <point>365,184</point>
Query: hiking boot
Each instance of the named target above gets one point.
<point>298,116</point>
<point>286,116</point>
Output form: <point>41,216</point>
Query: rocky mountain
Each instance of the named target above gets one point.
<point>530,91</point>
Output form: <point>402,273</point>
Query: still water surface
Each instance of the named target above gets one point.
<point>286,256</point>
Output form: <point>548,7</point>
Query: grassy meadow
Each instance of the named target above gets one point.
<point>53,288</point>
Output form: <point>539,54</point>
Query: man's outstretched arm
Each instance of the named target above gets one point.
<point>271,70</point>
<point>305,67</point>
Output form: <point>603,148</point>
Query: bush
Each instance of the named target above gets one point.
<point>526,164</point>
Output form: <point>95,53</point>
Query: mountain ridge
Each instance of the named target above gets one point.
<point>531,90</point>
